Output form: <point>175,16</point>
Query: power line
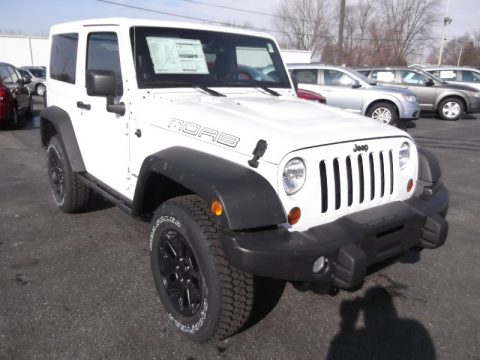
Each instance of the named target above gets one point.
<point>245,27</point>
<point>236,9</point>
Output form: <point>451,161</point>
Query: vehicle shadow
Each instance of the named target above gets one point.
<point>97,203</point>
<point>267,294</point>
<point>382,334</point>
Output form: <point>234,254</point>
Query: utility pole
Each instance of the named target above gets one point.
<point>446,20</point>
<point>340,33</point>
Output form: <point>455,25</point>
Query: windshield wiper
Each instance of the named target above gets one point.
<point>270,91</point>
<point>195,86</point>
<point>210,91</point>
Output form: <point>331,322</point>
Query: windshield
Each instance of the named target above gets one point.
<point>362,77</point>
<point>166,57</point>
<point>39,73</point>
<point>433,77</point>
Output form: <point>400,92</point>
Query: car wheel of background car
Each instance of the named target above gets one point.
<point>40,89</point>
<point>69,193</point>
<point>204,296</point>
<point>451,109</point>
<point>383,112</point>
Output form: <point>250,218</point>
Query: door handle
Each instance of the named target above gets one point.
<point>81,105</point>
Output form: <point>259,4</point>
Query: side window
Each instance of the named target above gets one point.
<point>63,57</point>
<point>448,75</point>
<point>336,78</point>
<point>102,54</point>
<point>412,77</point>
<point>5,75</point>
<point>471,76</point>
<point>306,76</point>
<point>383,75</point>
<point>14,75</point>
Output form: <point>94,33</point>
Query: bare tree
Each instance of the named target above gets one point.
<point>357,40</point>
<point>407,25</point>
<point>304,24</point>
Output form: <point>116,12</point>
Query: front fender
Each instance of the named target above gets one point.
<point>383,97</point>
<point>248,199</point>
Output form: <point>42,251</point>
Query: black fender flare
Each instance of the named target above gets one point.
<point>248,199</point>
<point>428,166</point>
<point>54,120</point>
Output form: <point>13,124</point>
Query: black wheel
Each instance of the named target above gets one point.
<point>383,112</point>
<point>451,109</point>
<point>40,90</point>
<point>204,296</point>
<point>69,193</point>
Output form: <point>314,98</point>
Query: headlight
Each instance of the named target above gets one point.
<point>294,174</point>
<point>410,98</point>
<point>476,94</point>
<point>404,155</point>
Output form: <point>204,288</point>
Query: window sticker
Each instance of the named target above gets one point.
<point>448,74</point>
<point>386,76</point>
<point>177,56</point>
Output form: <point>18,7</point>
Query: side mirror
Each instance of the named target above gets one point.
<point>27,79</point>
<point>104,83</point>
<point>356,84</point>
<point>101,83</point>
<point>295,82</point>
<point>429,82</point>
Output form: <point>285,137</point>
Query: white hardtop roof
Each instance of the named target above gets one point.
<point>129,22</point>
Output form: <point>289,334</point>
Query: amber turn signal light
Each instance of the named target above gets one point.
<point>410,185</point>
<point>294,215</point>
<point>217,208</point>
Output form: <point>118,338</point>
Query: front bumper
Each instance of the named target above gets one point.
<point>474,105</point>
<point>411,111</point>
<point>350,244</point>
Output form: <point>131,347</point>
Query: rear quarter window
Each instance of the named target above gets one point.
<point>63,57</point>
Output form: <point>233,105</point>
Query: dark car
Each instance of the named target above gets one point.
<point>15,99</point>
<point>449,101</point>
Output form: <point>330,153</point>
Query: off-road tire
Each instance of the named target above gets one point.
<point>383,112</point>
<point>69,193</point>
<point>225,295</point>
<point>453,106</point>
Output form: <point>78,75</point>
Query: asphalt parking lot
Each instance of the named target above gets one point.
<point>79,286</point>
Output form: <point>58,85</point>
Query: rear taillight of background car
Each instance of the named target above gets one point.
<point>3,92</point>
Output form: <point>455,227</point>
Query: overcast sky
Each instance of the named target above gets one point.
<point>36,17</point>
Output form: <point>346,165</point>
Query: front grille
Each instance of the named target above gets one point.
<point>363,178</point>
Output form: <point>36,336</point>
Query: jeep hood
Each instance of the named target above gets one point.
<point>285,123</point>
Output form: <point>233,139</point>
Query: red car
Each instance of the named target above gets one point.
<point>15,99</point>
<point>311,95</point>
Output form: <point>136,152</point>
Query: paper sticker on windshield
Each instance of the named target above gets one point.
<point>177,56</point>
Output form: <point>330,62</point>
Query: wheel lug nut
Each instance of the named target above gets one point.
<point>177,267</point>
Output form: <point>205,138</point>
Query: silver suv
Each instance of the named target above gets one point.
<point>449,101</point>
<point>349,90</point>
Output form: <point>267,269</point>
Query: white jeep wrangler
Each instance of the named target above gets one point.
<point>198,130</point>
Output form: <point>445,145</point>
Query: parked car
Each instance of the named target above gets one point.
<point>311,95</point>
<point>15,99</point>
<point>37,75</point>
<point>457,75</point>
<point>349,90</point>
<point>449,101</point>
